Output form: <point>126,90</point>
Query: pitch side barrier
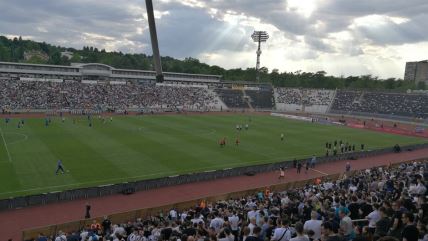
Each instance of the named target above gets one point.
<point>134,186</point>
<point>389,117</point>
<point>147,213</point>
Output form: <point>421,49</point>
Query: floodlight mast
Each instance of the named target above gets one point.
<point>154,40</point>
<point>259,37</point>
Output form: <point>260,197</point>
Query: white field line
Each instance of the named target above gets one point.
<point>5,145</point>
<point>18,141</point>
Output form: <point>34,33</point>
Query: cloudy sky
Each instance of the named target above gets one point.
<point>341,37</point>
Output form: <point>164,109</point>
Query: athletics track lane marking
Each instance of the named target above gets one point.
<point>5,145</point>
<point>325,174</point>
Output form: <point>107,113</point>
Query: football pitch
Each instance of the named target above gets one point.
<point>130,148</point>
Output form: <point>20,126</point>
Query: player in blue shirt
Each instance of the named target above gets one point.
<point>59,167</point>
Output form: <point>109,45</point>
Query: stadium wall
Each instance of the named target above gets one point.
<point>129,187</point>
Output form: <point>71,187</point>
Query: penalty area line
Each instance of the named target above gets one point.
<point>5,145</point>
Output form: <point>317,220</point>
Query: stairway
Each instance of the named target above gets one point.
<point>247,99</point>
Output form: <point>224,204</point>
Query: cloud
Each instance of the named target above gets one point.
<point>180,39</point>
<point>340,36</point>
<point>383,30</point>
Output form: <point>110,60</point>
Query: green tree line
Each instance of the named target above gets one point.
<point>12,50</point>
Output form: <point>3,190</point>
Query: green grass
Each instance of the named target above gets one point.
<point>144,147</point>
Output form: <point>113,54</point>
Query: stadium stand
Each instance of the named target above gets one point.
<point>57,94</point>
<point>23,95</point>
<point>381,202</point>
<point>396,104</point>
<point>310,100</point>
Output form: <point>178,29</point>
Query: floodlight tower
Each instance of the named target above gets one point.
<point>259,36</point>
<point>154,40</point>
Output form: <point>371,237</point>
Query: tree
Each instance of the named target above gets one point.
<point>55,58</point>
<point>421,85</point>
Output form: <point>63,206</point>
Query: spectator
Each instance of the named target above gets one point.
<point>410,232</point>
<point>299,231</point>
<point>313,224</point>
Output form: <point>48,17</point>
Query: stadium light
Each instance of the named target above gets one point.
<point>154,40</point>
<point>259,37</point>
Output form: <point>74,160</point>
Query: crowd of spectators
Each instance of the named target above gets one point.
<point>400,104</point>
<point>289,96</point>
<point>346,100</point>
<point>17,94</point>
<point>381,203</point>
<point>318,97</point>
<point>73,95</point>
<point>307,97</point>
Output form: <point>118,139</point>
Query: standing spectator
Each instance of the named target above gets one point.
<point>299,167</point>
<point>373,218</point>
<point>384,223</point>
<point>173,214</point>
<point>87,211</point>
<point>314,224</point>
<point>281,173</point>
<point>397,224</point>
<point>217,223</point>
<point>234,224</point>
<point>255,236</point>
<point>299,231</point>
<point>283,232</point>
<point>410,232</point>
<point>307,166</point>
<point>313,161</point>
<point>348,167</point>
<point>106,224</point>
<point>346,225</point>
<point>353,207</point>
<point>252,225</point>
<point>329,234</point>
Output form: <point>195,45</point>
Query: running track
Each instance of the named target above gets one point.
<point>12,222</point>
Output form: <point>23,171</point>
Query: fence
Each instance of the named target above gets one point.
<point>98,191</point>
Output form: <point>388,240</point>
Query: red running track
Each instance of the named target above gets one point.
<point>12,222</point>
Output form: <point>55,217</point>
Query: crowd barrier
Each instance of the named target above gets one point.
<point>146,213</point>
<point>380,116</point>
<point>130,187</point>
